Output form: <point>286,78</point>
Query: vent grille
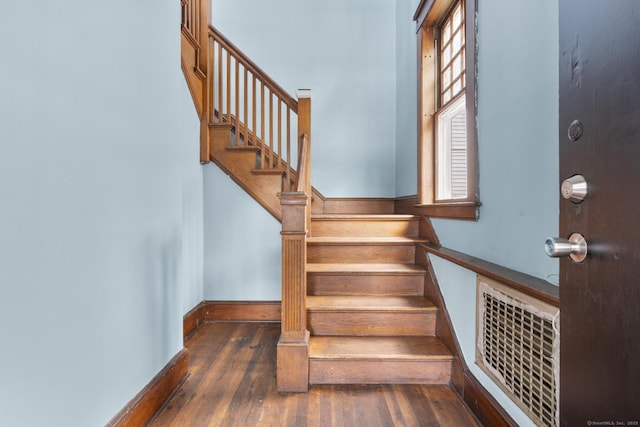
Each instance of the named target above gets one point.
<point>518,346</point>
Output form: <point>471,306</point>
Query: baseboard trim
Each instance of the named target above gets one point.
<point>148,401</point>
<point>242,311</point>
<point>483,405</point>
<point>193,319</point>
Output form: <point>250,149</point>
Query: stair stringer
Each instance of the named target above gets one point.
<point>239,162</point>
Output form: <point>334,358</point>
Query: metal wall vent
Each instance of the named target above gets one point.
<point>518,346</point>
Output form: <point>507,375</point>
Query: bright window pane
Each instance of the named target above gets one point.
<point>452,151</point>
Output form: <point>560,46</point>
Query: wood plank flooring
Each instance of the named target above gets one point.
<point>232,383</point>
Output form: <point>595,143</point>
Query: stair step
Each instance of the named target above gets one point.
<point>371,315</point>
<point>273,171</point>
<point>397,249</point>
<point>378,360</point>
<point>365,279</point>
<point>249,148</point>
<point>364,225</point>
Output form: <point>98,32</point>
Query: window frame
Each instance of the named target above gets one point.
<point>429,16</point>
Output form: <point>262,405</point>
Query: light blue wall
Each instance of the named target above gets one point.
<point>345,52</point>
<point>242,243</point>
<point>517,133</point>
<point>99,217</point>
<point>459,292</point>
<point>517,138</point>
<point>406,99</point>
<point>518,162</point>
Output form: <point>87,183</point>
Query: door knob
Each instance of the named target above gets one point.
<point>575,247</point>
<point>574,188</point>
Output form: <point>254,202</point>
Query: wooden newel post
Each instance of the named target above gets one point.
<point>293,346</point>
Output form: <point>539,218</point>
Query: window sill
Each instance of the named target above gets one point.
<point>461,210</point>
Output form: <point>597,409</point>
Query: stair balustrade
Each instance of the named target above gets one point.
<point>260,111</point>
<point>231,90</point>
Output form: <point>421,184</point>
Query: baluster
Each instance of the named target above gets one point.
<point>263,145</point>
<point>228,91</point>
<point>271,128</point>
<point>245,118</point>
<point>288,174</point>
<point>254,104</point>
<point>211,80</point>
<point>279,133</point>
<point>220,77</point>
<point>237,101</point>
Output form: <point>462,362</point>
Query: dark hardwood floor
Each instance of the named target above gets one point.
<point>232,382</point>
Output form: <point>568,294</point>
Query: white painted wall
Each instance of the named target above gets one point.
<point>345,52</point>
<point>99,219</point>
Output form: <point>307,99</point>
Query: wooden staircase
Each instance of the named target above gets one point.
<point>366,312</point>
<point>353,304</point>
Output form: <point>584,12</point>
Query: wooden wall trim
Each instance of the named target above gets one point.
<point>230,311</point>
<point>483,405</point>
<point>242,311</point>
<point>149,400</point>
<point>530,285</point>
<point>193,319</point>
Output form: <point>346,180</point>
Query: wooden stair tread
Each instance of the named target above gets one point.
<point>365,269</point>
<point>380,240</point>
<point>370,303</point>
<point>242,148</point>
<point>378,348</point>
<point>273,171</point>
<point>370,217</point>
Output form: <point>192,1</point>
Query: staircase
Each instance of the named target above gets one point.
<point>353,304</point>
<point>368,318</point>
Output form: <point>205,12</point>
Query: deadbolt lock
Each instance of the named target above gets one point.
<point>574,188</point>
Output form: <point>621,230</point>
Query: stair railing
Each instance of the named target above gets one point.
<point>254,104</point>
<point>261,114</point>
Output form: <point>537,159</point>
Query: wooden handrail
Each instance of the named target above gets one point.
<point>269,83</point>
<point>301,185</point>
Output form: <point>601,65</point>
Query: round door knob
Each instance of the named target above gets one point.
<point>574,188</point>
<point>574,247</point>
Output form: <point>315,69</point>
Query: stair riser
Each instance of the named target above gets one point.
<point>361,253</point>
<point>371,323</point>
<point>324,371</point>
<point>363,228</point>
<point>319,284</point>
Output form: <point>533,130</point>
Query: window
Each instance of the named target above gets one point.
<point>447,185</point>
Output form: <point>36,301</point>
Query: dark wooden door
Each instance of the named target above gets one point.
<point>599,71</point>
